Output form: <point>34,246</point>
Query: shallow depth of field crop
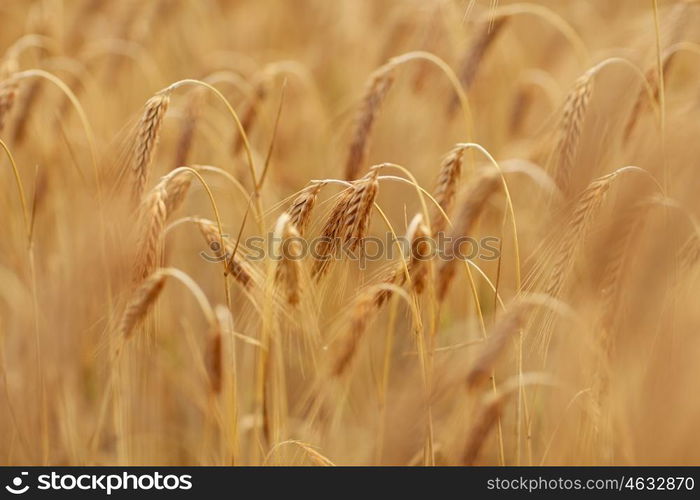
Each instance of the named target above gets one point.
<point>145,143</point>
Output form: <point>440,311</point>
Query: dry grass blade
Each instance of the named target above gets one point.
<point>146,140</point>
<point>478,194</point>
<point>379,84</point>
<point>141,302</point>
<point>300,210</point>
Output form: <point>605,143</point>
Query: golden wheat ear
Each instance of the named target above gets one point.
<point>570,128</point>
<point>151,226</point>
<point>141,302</point>
<point>302,206</point>
<point>446,187</point>
<point>223,248</point>
<point>289,267</point>
<point>145,141</point>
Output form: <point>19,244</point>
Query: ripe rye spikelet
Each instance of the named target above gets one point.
<point>505,328</point>
<point>446,187</point>
<point>478,193</point>
<point>588,203</point>
<point>288,272</point>
<point>379,84</point>
<point>570,127</point>
<point>188,127</point>
<point>475,53</point>
<point>153,214</point>
<point>146,140</point>
<point>301,207</point>
<point>141,302</point>
<point>235,266</point>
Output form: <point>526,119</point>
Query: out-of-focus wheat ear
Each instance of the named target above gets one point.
<point>569,130</point>
<point>301,207</point>
<point>141,302</point>
<point>27,102</point>
<point>214,361</point>
<point>475,53</point>
<point>359,208</point>
<point>478,194</point>
<point>188,126</point>
<point>8,95</point>
<point>379,84</point>
<point>223,250</point>
<point>446,187</point>
<point>588,203</point>
<point>617,254</point>
<point>250,114</point>
<point>176,187</point>
<point>288,272</point>
<point>483,425</point>
<point>363,308</point>
<point>506,328</point>
<point>642,102</point>
<point>146,140</point>
<point>153,214</point>
<point>421,251</point>
<point>689,255</point>
<point>331,233</point>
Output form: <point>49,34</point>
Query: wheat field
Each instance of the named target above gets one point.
<point>189,193</point>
